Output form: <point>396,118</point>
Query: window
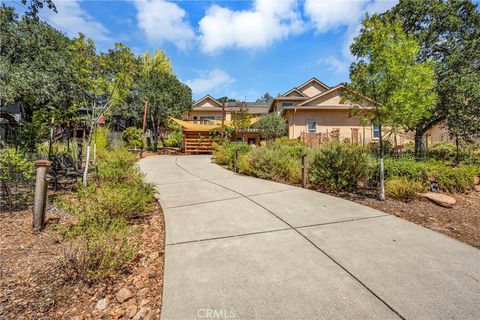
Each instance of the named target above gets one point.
<point>376,131</point>
<point>210,117</point>
<point>311,126</point>
<point>287,104</point>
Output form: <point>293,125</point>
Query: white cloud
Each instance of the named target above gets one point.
<point>164,21</point>
<point>208,81</point>
<point>268,21</point>
<point>334,64</point>
<point>328,15</point>
<point>72,19</point>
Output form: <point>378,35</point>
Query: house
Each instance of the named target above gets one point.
<point>209,108</point>
<point>314,110</point>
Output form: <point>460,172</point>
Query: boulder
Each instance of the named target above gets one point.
<point>476,181</point>
<point>123,295</point>
<point>440,199</point>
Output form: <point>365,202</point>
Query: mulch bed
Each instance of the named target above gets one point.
<point>462,222</point>
<point>33,286</point>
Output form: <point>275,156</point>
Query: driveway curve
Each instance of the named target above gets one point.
<point>238,247</point>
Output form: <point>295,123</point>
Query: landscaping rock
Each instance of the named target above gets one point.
<point>123,295</point>
<point>142,294</point>
<point>141,314</point>
<point>440,199</point>
<point>101,304</point>
<point>131,311</point>
<point>476,181</point>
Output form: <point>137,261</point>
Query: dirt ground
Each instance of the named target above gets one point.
<point>33,286</point>
<point>462,222</point>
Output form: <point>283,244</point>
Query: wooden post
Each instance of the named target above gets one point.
<point>40,203</point>
<point>304,172</point>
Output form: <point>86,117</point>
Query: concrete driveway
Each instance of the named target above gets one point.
<point>245,248</point>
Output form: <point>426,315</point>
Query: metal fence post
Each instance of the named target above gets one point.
<point>304,172</point>
<point>40,203</point>
<point>236,160</point>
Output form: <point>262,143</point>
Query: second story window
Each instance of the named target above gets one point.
<point>287,104</point>
<point>376,131</point>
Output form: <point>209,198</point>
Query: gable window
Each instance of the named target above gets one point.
<point>376,131</point>
<point>311,126</point>
<point>287,104</point>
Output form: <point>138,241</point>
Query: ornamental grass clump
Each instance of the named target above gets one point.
<point>402,188</point>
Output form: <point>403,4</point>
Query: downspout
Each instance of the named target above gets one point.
<point>293,134</point>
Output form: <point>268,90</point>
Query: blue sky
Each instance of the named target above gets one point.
<point>241,49</point>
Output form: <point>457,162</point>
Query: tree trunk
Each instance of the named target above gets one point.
<point>382,166</point>
<point>87,158</point>
<point>419,146</point>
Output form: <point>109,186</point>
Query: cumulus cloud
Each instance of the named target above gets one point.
<point>266,22</point>
<point>209,80</point>
<point>72,19</point>
<point>328,15</point>
<point>164,21</point>
<point>334,64</point>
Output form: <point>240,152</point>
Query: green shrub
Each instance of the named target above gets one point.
<point>274,162</point>
<point>450,179</point>
<point>126,199</point>
<point>100,138</point>
<point>339,167</point>
<point>133,137</point>
<point>443,151</point>
<point>374,148</point>
<point>99,246</point>
<point>175,139</point>
<point>115,166</point>
<point>402,188</point>
<point>224,154</point>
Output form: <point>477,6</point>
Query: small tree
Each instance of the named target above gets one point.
<point>241,119</point>
<point>271,126</point>
<point>386,70</point>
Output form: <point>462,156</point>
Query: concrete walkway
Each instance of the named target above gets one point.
<point>245,248</point>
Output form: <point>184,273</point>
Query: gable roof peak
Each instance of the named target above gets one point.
<point>313,79</point>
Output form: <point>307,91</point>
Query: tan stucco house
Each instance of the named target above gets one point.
<point>315,108</point>
<point>312,109</point>
<point>208,108</point>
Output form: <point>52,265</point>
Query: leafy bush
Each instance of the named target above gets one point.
<point>133,137</point>
<point>450,179</point>
<point>115,166</point>
<point>126,199</point>
<point>175,139</point>
<point>17,176</point>
<point>224,154</point>
<point>374,148</point>
<point>274,162</point>
<point>99,246</point>
<point>402,188</point>
<point>101,242</point>
<point>443,151</point>
<point>100,138</point>
<point>271,126</point>
<point>339,167</point>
